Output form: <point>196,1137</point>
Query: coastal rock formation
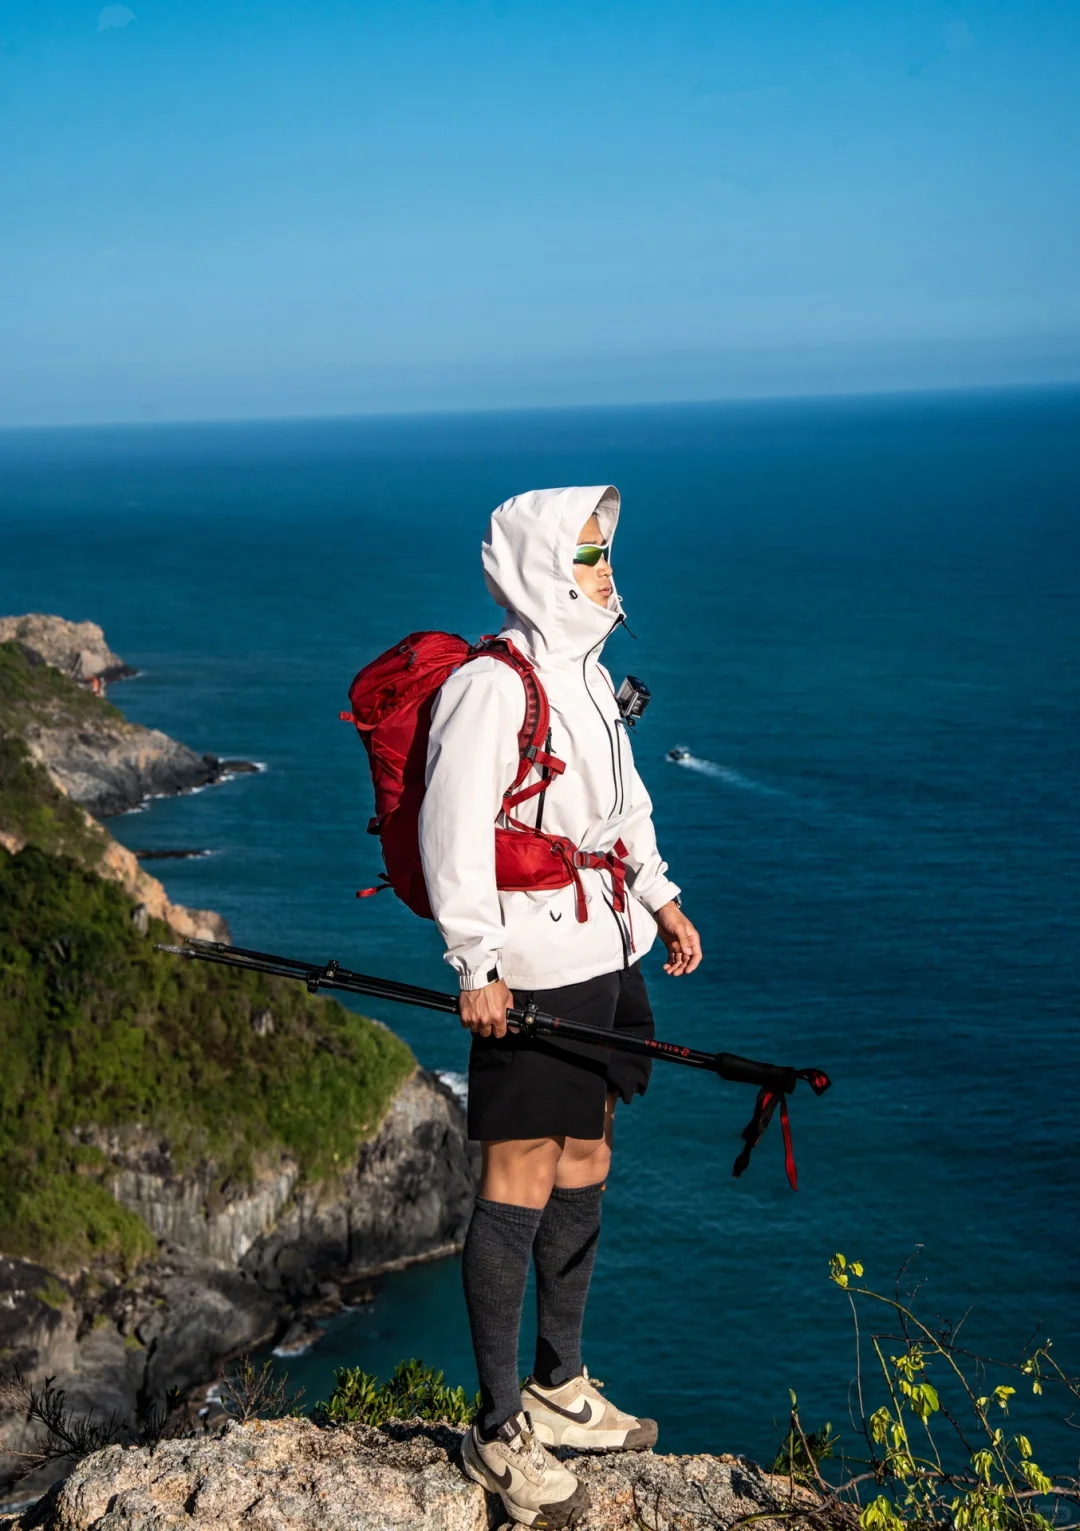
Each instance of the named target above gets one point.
<point>236,1266</point>
<point>66,754</point>
<point>77,649</point>
<point>152,902</point>
<point>408,1193</point>
<point>111,765</point>
<point>89,749</point>
<point>290,1475</point>
<point>118,864</point>
<point>251,1246</point>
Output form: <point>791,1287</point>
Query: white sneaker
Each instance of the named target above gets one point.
<point>574,1414</point>
<point>534,1488</point>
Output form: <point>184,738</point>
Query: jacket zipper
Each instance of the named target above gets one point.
<point>616,777</point>
<point>613,744</point>
<point>622,932</point>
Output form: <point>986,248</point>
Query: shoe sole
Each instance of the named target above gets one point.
<point>552,1518</point>
<point>600,1441</point>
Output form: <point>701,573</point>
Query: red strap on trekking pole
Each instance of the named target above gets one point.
<point>766,1103</point>
<point>789,1152</point>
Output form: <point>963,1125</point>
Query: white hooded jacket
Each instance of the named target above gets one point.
<point>533,939</point>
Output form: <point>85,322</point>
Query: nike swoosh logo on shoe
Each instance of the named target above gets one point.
<point>582,1416</point>
<point>504,1480</point>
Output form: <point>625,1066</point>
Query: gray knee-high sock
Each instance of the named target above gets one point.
<point>494,1271</point>
<point>564,1252</point>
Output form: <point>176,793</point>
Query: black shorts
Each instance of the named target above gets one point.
<point>520,1087</point>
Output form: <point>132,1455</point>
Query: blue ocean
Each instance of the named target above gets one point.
<point>860,618</point>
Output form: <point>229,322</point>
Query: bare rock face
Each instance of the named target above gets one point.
<point>148,895</point>
<point>115,765</point>
<point>409,1193</point>
<point>76,648</point>
<point>289,1475</point>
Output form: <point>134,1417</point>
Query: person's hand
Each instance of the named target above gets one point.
<point>680,938</point>
<point>483,1011</point>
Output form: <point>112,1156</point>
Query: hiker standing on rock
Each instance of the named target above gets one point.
<point>559,916</point>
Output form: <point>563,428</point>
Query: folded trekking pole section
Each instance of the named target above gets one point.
<point>774,1083</point>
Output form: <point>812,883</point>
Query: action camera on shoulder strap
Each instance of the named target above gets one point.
<point>633,696</point>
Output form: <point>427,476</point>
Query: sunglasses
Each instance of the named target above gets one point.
<point>590,553</point>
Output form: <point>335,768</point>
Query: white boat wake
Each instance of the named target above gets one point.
<point>683,757</point>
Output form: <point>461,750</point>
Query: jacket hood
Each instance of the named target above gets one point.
<point>528,559</point>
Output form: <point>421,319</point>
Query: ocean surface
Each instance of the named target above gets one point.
<point>861,619</point>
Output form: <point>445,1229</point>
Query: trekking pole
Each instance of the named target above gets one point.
<point>775,1083</point>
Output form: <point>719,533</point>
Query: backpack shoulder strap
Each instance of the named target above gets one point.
<point>535,728</point>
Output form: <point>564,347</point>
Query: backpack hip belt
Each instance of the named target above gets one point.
<point>527,860</point>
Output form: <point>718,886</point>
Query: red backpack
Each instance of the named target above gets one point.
<point>391,707</point>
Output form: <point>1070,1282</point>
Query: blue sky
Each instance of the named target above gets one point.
<point>223,208</point>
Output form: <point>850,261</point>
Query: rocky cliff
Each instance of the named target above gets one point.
<point>225,1152</point>
<point>237,1269</point>
<point>89,749</point>
<point>66,753</point>
<point>289,1475</point>
<point>76,649</point>
<point>191,1158</point>
<point>113,765</point>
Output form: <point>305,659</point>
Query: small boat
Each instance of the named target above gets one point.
<point>678,753</point>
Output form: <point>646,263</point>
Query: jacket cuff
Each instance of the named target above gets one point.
<point>658,894</point>
<point>478,974</point>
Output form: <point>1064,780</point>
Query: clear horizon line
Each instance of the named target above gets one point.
<point>450,410</point>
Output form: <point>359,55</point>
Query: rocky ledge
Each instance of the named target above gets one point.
<point>290,1475</point>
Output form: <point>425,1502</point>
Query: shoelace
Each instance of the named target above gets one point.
<point>592,1383</point>
<point>532,1459</point>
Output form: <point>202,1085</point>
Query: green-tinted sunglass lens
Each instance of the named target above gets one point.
<point>589,553</point>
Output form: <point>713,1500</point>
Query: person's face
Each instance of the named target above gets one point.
<point>594,580</point>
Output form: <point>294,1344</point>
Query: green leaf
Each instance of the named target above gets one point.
<point>982,1463</point>
<point>1036,1477</point>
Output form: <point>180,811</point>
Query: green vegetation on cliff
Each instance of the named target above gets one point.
<point>36,692</point>
<point>97,1029</point>
<point>415,1391</point>
<point>32,810</point>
